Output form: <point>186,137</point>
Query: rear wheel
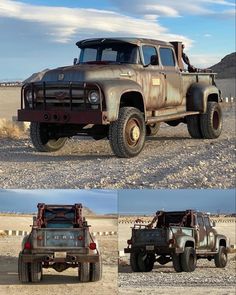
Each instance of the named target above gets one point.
<point>152,130</point>
<point>96,270</point>
<point>23,270</point>
<point>84,272</point>
<point>211,122</point>
<point>146,261</point>
<point>189,259</point>
<point>221,257</point>
<point>41,139</point>
<point>134,262</point>
<point>193,125</point>
<point>36,271</point>
<point>176,260</point>
<point>127,134</point>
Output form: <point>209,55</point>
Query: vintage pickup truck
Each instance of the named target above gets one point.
<point>120,89</point>
<point>59,239</point>
<point>181,237</point>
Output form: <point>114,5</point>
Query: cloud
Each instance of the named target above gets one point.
<point>62,23</point>
<point>207,35</point>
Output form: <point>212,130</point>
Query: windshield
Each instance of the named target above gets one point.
<point>110,53</point>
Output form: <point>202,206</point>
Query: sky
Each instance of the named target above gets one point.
<point>149,201</point>
<point>37,34</point>
<point>25,201</point>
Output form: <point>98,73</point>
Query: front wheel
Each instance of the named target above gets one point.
<point>127,134</point>
<point>221,257</point>
<point>211,122</point>
<point>42,140</point>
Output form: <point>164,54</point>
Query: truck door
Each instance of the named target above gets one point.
<point>210,233</point>
<point>172,75</point>
<point>152,81</point>
<point>202,234</point>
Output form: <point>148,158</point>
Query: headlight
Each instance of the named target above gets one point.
<point>29,96</point>
<point>94,97</point>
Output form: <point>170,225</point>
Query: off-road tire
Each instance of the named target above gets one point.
<point>211,122</point>
<point>36,272</point>
<point>221,257</point>
<point>193,125</point>
<point>188,259</point>
<point>84,272</point>
<point>122,136</point>
<point>146,262</point>
<point>152,130</point>
<point>40,138</point>
<point>96,271</point>
<point>134,262</point>
<point>23,270</point>
<point>176,260</point>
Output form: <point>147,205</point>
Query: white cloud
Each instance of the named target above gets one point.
<point>62,23</point>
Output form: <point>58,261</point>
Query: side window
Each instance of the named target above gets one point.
<point>89,54</point>
<point>167,57</point>
<point>148,51</point>
<point>207,222</point>
<point>200,221</point>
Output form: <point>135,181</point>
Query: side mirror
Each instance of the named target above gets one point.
<point>75,61</point>
<point>154,60</point>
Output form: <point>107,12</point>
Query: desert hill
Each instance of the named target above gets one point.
<point>226,68</point>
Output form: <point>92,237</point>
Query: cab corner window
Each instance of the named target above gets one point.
<point>167,57</point>
<point>148,51</point>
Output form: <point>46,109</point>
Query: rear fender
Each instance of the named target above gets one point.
<point>199,94</point>
<point>184,241</point>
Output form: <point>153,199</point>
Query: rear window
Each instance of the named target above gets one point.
<point>167,57</point>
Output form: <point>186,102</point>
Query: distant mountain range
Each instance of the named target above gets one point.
<point>226,68</point>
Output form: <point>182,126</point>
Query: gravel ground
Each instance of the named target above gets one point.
<point>206,278</point>
<point>170,160</point>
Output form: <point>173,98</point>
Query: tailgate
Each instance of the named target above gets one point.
<point>143,237</point>
<point>51,238</point>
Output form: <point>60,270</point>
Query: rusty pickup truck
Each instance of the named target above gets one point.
<point>181,237</point>
<point>59,239</point>
<point>120,89</point>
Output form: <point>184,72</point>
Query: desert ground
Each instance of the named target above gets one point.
<point>54,282</point>
<point>164,280</point>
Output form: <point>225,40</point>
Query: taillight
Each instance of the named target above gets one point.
<point>80,238</point>
<point>129,242</point>
<point>92,246</point>
<point>27,245</point>
<point>40,238</point>
<point>171,241</point>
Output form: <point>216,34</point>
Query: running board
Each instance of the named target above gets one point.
<point>170,117</point>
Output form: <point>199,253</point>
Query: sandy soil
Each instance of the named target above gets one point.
<point>9,101</point>
<point>53,282</point>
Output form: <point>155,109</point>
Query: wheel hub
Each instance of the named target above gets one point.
<point>135,133</point>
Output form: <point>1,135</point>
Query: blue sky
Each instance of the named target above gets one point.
<point>37,34</point>
<point>99,201</point>
<point>149,201</point>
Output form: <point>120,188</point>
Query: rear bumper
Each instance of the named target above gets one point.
<point>70,257</point>
<point>157,250</point>
<point>63,117</point>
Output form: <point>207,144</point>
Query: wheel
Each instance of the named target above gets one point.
<point>127,134</point>
<point>134,262</point>
<point>36,272</point>
<point>146,262</point>
<point>193,125</point>
<point>96,270</point>
<point>84,272</point>
<point>23,270</point>
<point>221,257</point>
<point>188,259</point>
<point>41,140</point>
<point>176,260</point>
<point>211,122</point>
<point>152,130</point>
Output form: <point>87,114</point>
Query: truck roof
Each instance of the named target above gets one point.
<point>131,40</point>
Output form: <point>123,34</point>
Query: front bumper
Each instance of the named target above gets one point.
<point>63,117</point>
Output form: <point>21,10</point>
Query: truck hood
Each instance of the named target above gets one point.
<point>85,73</point>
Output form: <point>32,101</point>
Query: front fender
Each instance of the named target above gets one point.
<point>113,90</point>
<point>197,96</point>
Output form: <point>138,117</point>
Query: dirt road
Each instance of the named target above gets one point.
<point>170,160</point>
